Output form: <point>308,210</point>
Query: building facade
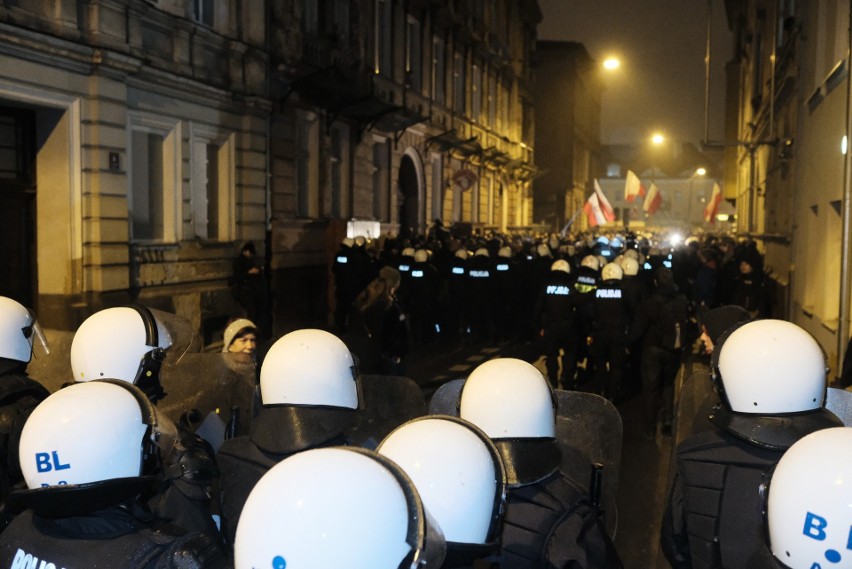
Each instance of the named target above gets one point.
<point>788,162</point>
<point>145,141</point>
<point>568,140</point>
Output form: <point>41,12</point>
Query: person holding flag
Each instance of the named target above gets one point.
<point>597,208</point>
<point>652,200</point>
<point>633,187</point>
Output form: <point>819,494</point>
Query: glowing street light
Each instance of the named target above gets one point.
<point>658,138</point>
<point>701,171</point>
<point>611,63</point>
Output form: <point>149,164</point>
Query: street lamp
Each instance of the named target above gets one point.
<point>699,172</point>
<point>611,63</point>
<point>657,139</point>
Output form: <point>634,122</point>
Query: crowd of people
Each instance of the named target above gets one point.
<point>94,474</point>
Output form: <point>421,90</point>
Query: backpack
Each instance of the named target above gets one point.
<point>673,323</point>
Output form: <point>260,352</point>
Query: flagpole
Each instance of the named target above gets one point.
<point>570,222</point>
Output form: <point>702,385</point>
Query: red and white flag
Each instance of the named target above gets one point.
<point>712,207</point>
<point>592,209</point>
<point>606,208</point>
<point>652,200</point>
<point>633,187</point>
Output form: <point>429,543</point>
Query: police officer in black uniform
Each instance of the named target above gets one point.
<point>555,316</point>
<point>611,322</point>
<point>549,520</point>
<point>309,399</point>
<point>480,296</point>
<point>771,377</point>
<point>424,289</point>
<point>19,394</point>
<point>129,343</point>
<point>88,454</point>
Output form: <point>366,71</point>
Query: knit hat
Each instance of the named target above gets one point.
<point>234,328</point>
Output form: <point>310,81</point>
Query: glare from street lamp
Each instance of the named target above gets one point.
<point>658,138</point>
<point>611,63</point>
<point>700,171</point>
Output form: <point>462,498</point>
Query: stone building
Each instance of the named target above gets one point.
<point>568,139</point>
<point>788,168</point>
<point>144,141</point>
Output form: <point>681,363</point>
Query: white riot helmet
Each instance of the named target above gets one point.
<point>809,500</point>
<point>482,252</point>
<point>630,266</point>
<point>457,471</point>
<point>309,367</point>
<point>591,262</point>
<point>505,252</point>
<point>336,507</point>
<point>511,401</point>
<point>561,265</point>
<point>632,253</point>
<point>462,253</point>
<point>509,398</point>
<point>348,242</point>
<point>421,256</point>
<point>612,271</point>
<point>543,250</point>
<point>767,367</point>
<point>98,439</point>
<point>408,252</point>
<point>16,331</point>
<point>126,343</point>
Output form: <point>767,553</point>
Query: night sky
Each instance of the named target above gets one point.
<point>661,45</point>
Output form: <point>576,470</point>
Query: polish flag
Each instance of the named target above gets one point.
<point>605,206</point>
<point>652,200</point>
<point>712,207</point>
<point>592,209</point>
<point>633,187</point>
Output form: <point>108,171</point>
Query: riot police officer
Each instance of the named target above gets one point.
<point>460,476</point>
<point>19,394</point>
<point>611,321</point>
<point>423,297</point>
<point>771,378</point>
<point>549,521</point>
<point>807,506</point>
<point>556,324</point>
<point>89,453</point>
<point>480,296</point>
<point>337,507</point>
<point>309,399</point>
<point>129,343</point>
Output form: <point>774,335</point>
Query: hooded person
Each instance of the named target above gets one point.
<point>771,379</point>
<point>309,398</point>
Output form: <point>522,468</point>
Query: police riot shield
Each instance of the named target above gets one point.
<point>589,431</point>
<point>839,402</point>
<point>52,369</point>
<point>693,403</point>
<point>445,400</point>
<point>387,401</point>
<point>200,384</point>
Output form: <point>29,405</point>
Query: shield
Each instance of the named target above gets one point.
<point>589,431</point>
<point>387,401</point>
<point>693,404</point>
<point>199,384</point>
<point>839,402</point>
<point>445,400</point>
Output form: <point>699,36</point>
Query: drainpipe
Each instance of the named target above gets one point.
<point>846,221</point>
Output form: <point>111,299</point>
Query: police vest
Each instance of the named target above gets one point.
<point>241,465</point>
<point>29,543</point>
<point>721,476</point>
<point>538,528</point>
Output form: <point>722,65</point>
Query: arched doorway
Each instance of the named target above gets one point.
<point>410,194</point>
